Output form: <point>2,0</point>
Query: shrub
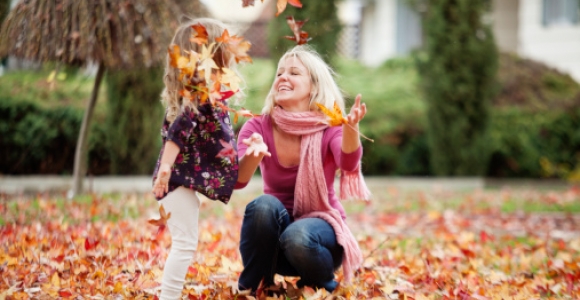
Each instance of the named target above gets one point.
<point>458,79</point>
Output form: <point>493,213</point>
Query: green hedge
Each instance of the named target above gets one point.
<point>35,139</point>
<point>39,125</point>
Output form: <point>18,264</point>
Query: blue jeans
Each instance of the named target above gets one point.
<point>271,243</point>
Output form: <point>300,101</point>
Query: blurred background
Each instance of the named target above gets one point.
<point>454,88</point>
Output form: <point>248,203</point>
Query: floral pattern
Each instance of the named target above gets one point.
<point>208,161</point>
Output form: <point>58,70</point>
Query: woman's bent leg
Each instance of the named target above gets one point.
<point>311,248</point>
<point>264,220</point>
<point>183,204</point>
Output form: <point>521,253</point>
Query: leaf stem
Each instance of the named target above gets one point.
<point>362,135</point>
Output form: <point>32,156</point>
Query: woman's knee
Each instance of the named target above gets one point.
<point>303,236</point>
<point>265,209</point>
<point>265,203</point>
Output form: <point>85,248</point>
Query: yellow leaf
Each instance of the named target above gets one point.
<point>51,76</point>
<point>118,287</point>
<point>230,78</point>
<point>335,117</point>
<point>55,280</point>
<point>206,61</point>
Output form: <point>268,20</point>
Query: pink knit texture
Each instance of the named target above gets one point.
<point>311,194</point>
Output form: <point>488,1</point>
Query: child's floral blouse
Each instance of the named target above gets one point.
<point>208,160</point>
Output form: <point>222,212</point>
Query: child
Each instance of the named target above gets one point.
<point>199,152</point>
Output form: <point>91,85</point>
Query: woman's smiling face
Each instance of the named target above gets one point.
<point>292,85</point>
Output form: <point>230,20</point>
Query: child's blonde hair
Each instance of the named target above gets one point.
<point>324,88</point>
<point>170,96</point>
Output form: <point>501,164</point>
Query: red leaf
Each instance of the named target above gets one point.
<point>484,237</point>
<point>90,243</point>
<point>301,37</point>
<point>65,293</point>
<point>246,3</point>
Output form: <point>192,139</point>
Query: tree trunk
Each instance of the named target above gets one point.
<point>81,149</point>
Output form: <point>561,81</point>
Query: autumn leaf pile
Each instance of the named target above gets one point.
<point>417,245</point>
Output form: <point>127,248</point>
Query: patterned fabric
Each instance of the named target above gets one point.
<point>208,160</point>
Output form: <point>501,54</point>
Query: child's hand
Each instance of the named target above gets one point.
<point>161,184</point>
<point>256,145</point>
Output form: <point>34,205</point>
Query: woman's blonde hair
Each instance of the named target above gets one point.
<point>170,96</point>
<point>324,89</point>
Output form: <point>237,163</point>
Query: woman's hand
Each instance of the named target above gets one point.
<point>357,111</point>
<point>161,184</point>
<point>350,133</point>
<point>256,145</point>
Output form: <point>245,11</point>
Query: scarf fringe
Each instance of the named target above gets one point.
<point>353,186</point>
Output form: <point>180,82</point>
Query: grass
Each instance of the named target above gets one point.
<point>120,206</point>
<point>69,87</point>
<point>474,201</point>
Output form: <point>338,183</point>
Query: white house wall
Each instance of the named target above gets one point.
<point>557,46</point>
<point>505,24</point>
<point>378,31</point>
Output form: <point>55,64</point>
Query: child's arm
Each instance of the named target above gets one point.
<point>248,164</point>
<point>161,185</point>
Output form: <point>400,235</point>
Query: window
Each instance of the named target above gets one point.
<point>561,12</point>
<point>409,31</point>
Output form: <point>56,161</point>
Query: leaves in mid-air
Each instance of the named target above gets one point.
<point>281,5</point>
<point>300,36</point>
<point>203,80</point>
<point>236,45</point>
<point>199,34</point>
<point>227,151</point>
<point>246,3</point>
<point>163,217</point>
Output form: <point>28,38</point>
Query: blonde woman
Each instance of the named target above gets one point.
<point>198,156</point>
<point>298,227</point>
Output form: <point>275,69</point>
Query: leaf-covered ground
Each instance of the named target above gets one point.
<point>499,244</point>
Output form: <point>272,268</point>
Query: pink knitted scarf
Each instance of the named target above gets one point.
<point>311,194</point>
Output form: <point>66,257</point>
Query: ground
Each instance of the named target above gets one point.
<point>500,243</point>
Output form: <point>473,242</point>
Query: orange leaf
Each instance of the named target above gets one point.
<point>295,3</point>
<point>199,34</point>
<point>281,5</point>
<point>163,217</point>
<point>174,55</point>
<point>237,45</point>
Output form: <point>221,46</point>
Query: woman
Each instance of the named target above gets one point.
<point>297,228</point>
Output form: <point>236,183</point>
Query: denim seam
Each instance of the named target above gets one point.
<point>283,213</point>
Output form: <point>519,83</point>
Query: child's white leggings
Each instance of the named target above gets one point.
<point>183,204</point>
